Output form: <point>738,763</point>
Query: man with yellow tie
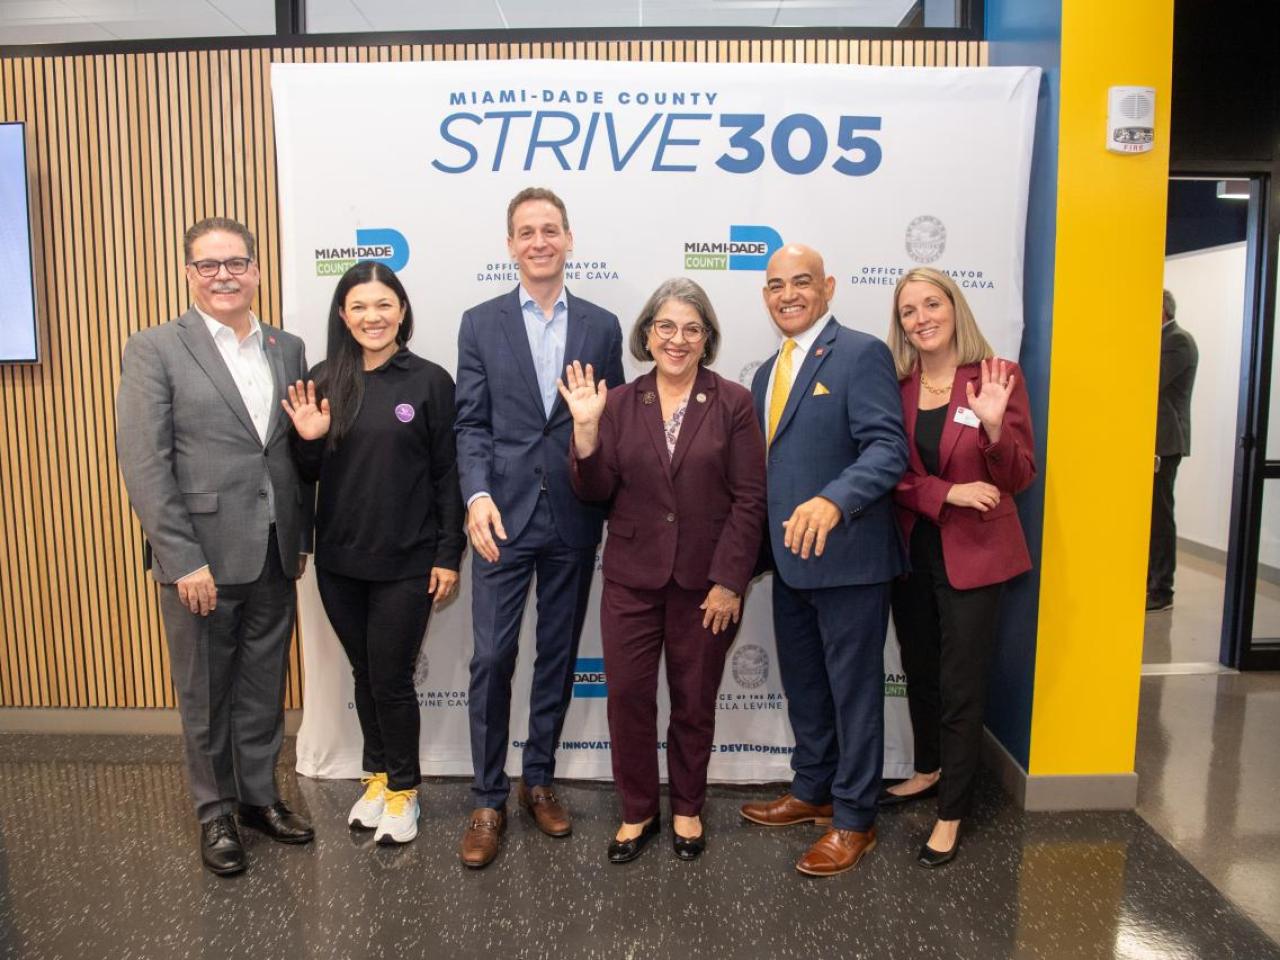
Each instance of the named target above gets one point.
<point>829,405</point>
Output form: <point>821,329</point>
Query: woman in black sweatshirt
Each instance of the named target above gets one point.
<point>375,427</point>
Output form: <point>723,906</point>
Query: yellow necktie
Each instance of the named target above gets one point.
<point>781,386</point>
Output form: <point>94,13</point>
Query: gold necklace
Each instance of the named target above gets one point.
<point>937,391</point>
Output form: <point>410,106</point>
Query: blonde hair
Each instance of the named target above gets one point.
<point>971,345</point>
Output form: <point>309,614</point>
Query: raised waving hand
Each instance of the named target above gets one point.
<point>992,397</point>
<point>585,399</point>
<point>310,419</point>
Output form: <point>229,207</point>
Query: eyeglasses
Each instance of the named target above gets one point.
<point>666,329</point>
<point>236,266</point>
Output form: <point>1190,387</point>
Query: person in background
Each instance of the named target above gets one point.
<point>1178,360</point>
<point>679,453</point>
<point>969,425</point>
<point>375,426</point>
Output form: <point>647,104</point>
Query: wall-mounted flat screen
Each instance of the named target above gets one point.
<point>18,301</point>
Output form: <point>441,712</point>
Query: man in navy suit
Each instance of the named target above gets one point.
<point>829,405</point>
<point>522,515</point>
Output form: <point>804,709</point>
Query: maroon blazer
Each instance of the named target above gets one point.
<point>698,516</point>
<point>978,548</point>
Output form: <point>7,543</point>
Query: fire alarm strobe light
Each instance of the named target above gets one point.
<point>1131,119</point>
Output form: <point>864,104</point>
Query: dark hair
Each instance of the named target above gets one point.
<point>686,291</point>
<point>342,380</point>
<point>534,193</point>
<point>224,224</point>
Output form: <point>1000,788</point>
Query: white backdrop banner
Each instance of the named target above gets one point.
<point>668,169</point>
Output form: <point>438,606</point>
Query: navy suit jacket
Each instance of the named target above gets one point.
<point>507,445</point>
<point>840,437</point>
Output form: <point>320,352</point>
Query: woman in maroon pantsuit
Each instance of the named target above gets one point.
<point>680,453</point>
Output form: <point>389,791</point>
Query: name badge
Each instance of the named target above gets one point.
<point>966,417</point>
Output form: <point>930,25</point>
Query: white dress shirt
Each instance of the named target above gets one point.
<point>246,361</point>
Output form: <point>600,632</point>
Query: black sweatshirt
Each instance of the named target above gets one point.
<point>389,504</point>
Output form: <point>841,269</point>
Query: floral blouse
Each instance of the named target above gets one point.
<point>672,427</point>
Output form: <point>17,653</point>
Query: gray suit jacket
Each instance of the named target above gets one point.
<point>1178,359</point>
<point>193,464</point>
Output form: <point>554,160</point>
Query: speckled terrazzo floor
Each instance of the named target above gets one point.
<point>98,859</point>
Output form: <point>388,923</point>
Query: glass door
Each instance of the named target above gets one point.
<point>1251,611</point>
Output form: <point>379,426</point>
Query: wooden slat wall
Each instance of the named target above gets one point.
<point>126,150</point>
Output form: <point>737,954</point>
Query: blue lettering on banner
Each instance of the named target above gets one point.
<point>798,143</point>
<point>752,748</point>
<point>573,744</point>
<point>588,678</point>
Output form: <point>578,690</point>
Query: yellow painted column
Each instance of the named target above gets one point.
<point>1102,398</point>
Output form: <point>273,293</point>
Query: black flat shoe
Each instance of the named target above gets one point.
<point>888,799</point>
<point>278,822</point>
<point>624,851</point>
<point>931,858</point>
<point>220,847</point>
<point>689,848</point>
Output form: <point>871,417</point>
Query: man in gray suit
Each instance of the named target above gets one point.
<point>1178,359</point>
<point>204,449</point>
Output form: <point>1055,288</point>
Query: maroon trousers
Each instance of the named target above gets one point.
<point>637,626</point>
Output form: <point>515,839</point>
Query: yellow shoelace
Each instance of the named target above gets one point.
<point>375,786</point>
<point>397,800</point>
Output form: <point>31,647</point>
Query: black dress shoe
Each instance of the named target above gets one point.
<point>887,799</point>
<point>931,858</point>
<point>278,822</point>
<point>689,848</point>
<point>220,846</point>
<point>623,851</point>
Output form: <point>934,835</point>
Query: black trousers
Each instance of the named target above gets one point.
<point>380,624</point>
<point>1163,555</point>
<point>946,636</point>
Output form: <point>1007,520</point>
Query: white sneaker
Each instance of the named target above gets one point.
<point>399,823</point>
<point>367,811</point>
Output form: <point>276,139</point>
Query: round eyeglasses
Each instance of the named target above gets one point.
<point>692,333</point>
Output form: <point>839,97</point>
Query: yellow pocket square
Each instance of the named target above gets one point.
<point>820,390</point>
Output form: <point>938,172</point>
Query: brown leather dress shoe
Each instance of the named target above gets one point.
<point>483,833</point>
<point>836,852</point>
<point>549,813</point>
<point>785,811</point>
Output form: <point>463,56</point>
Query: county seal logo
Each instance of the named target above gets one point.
<point>750,666</point>
<point>926,239</point>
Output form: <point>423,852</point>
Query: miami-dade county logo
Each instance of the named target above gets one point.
<point>381,244</point>
<point>749,373</point>
<point>421,668</point>
<point>749,248</point>
<point>926,239</point>
<point>895,684</point>
<point>750,666</point>
<point>588,678</point>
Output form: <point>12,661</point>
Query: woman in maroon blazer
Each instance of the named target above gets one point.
<point>968,421</point>
<point>680,453</point>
